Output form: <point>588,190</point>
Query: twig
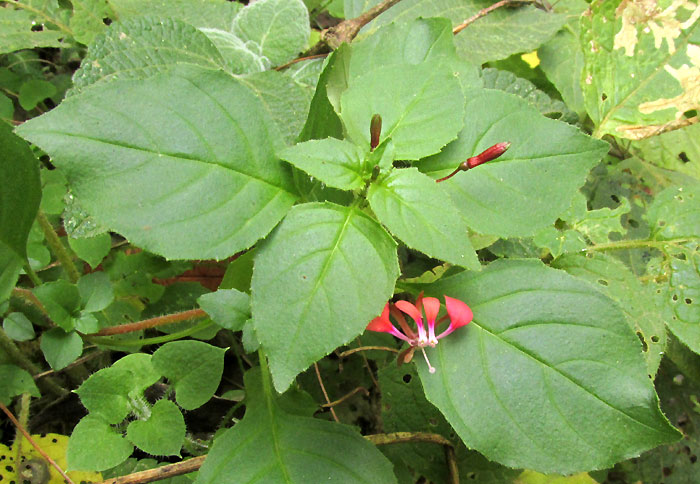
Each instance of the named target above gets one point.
<point>485,11</point>
<point>325,393</point>
<point>152,322</point>
<point>345,397</point>
<point>415,437</point>
<point>34,444</point>
<point>348,29</point>
<point>164,472</point>
<point>58,248</point>
<point>300,59</point>
<point>347,353</point>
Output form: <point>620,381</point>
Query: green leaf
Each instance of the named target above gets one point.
<point>683,295</point>
<point>193,368</point>
<point>323,121</point>
<point>228,308</point>
<point>239,272</point>
<point>142,373</point>
<point>677,150</point>
<point>419,212</point>
<point>271,445</point>
<point>635,85</point>
<point>285,100</point>
<point>134,49</point>
<point>421,107</point>
<point>7,108</point>
<point>21,193</point>
<point>337,163</point>
<point>106,393</point>
<point>547,376</point>
<point>214,14</point>
<point>15,381</point>
<point>675,213</point>
<point>508,82</point>
<point>88,18</point>
<point>520,29</point>
<point>639,302</point>
<point>16,32</point>
<point>326,270</point>
<point>10,267</point>
<point>60,348</point>
<point>18,327</point>
<point>237,57</point>
<point>279,29</point>
<point>561,59</point>
<point>162,433</point>
<point>147,182</point>
<point>95,446</point>
<point>91,249</point>
<point>61,299</point>
<point>33,92</point>
<point>96,292</point>
<point>528,187</point>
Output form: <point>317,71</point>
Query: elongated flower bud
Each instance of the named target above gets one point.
<point>375,130</point>
<point>487,155</point>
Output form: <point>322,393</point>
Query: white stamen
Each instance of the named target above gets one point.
<point>430,367</point>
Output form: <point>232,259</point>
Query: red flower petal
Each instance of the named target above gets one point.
<point>381,323</point>
<point>432,308</point>
<point>409,309</point>
<point>460,314</point>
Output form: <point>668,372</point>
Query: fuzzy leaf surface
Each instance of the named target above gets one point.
<point>95,446</point>
<point>213,14</point>
<point>271,445</point>
<point>532,183</point>
<point>548,376</point>
<point>207,186</point>
<point>325,270</point>
<point>162,433</point>
<point>420,213</point>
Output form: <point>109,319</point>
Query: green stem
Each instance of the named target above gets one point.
<point>116,343</point>
<point>637,244</point>
<point>57,247</point>
<point>33,276</point>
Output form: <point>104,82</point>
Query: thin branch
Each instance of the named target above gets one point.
<point>485,11</point>
<point>345,397</point>
<point>164,472</point>
<point>347,353</point>
<point>415,437</point>
<point>58,248</point>
<point>325,393</point>
<point>34,444</point>
<point>152,322</point>
<point>637,244</point>
<point>300,59</point>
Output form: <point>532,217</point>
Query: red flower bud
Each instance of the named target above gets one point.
<point>487,155</point>
<point>375,130</point>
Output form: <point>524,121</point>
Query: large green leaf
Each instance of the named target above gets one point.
<point>496,36</point>
<point>640,303</point>
<point>641,66</point>
<point>675,213</point>
<point>532,183</point>
<point>21,192</point>
<point>421,107</point>
<point>95,446</point>
<point>548,375</point>
<point>326,271</point>
<point>162,433</point>
<point>278,29</point>
<point>271,445</point>
<point>419,212</point>
<point>16,32</point>
<point>87,20</point>
<point>214,14</point>
<point>143,46</point>
<point>182,164</point>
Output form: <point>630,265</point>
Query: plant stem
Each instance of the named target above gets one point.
<point>107,341</point>
<point>58,248</point>
<point>33,276</point>
<point>34,444</point>
<point>484,12</point>
<point>159,473</point>
<point>636,244</point>
<point>347,353</point>
<point>152,322</point>
<point>325,393</point>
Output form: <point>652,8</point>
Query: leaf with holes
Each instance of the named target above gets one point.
<point>325,270</point>
<point>528,187</point>
<point>208,186</point>
<point>548,376</point>
<point>419,212</point>
<point>272,445</point>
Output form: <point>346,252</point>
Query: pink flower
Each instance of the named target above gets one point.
<point>458,312</point>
